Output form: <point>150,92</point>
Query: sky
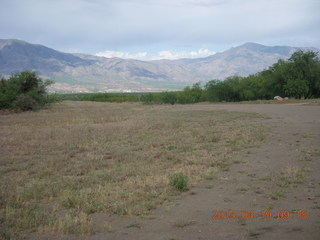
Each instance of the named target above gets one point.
<point>160,29</point>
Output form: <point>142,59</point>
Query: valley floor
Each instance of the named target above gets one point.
<point>275,169</point>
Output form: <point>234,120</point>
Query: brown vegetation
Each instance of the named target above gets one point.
<point>60,165</point>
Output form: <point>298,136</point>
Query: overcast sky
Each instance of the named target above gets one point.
<point>151,29</point>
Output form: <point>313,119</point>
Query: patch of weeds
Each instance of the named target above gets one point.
<point>312,186</point>
<point>70,202</point>
<point>268,178</point>
<point>210,175</point>
<point>193,193</point>
<point>108,227</point>
<point>221,164</point>
<point>20,216</point>
<point>134,225</point>
<point>316,152</point>
<point>276,195</point>
<point>306,155</point>
<point>70,223</point>
<point>85,199</point>
<point>120,209</point>
<point>307,135</point>
<point>7,235</point>
<point>184,224</point>
<point>149,206</point>
<point>179,181</point>
<point>258,191</point>
<point>225,169</point>
<point>253,175</point>
<point>242,189</point>
<point>37,192</point>
<point>170,148</point>
<point>270,207</point>
<point>236,161</point>
<point>254,234</point>
<point>209,186</point>
<point>254,202</point>
<point>242,221</point>
<point>291,176</point>
<point>210,139</point>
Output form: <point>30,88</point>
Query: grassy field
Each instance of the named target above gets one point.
<point>58,166</point>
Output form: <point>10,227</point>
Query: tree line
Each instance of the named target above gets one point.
<point>298,77</point>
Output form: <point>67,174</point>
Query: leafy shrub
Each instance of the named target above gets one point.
<point>147,98</point>
<point>25,102</point>
<point>169,97</point>
<point>179,181</point>
<point>24,90</point>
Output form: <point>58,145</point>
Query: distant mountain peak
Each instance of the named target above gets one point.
<point>88,73</point>
<point>5,42</point>
<point>252,45</point>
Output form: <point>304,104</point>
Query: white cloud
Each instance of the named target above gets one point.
<point>184,54</point>
<point>165,54</point>
<point>111,54</point>
<point>92,26</point>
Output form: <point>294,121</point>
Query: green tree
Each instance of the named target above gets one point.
<point>147,98</point>
<point>303,74</point>
<point>196,92</point>
<point>230,91</point>
<point>168,97</point>
<point>191,95</point>
<point>296,88</point>
<point>211,91</point>
<point>24,90</point>
<point>276,77</point>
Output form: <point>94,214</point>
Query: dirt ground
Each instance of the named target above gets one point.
<point>280,175</point>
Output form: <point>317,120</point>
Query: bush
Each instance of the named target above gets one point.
<point>24,90</point>
<point>179,181</point>
<point>25,102</point>
<point>147,98</point>
<point>169,97</point>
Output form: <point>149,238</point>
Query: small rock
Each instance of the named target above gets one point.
<point>278,98</point>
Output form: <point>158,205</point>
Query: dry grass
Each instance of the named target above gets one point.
<point>60,165</point>
<point>288,178</point>
<point>291,176</point>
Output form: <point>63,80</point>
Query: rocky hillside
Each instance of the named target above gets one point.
<point>80,72</point>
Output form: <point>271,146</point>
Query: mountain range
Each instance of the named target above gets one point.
<point>82,72</point>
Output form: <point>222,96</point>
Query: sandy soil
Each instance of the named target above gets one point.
<point>254,182</point>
